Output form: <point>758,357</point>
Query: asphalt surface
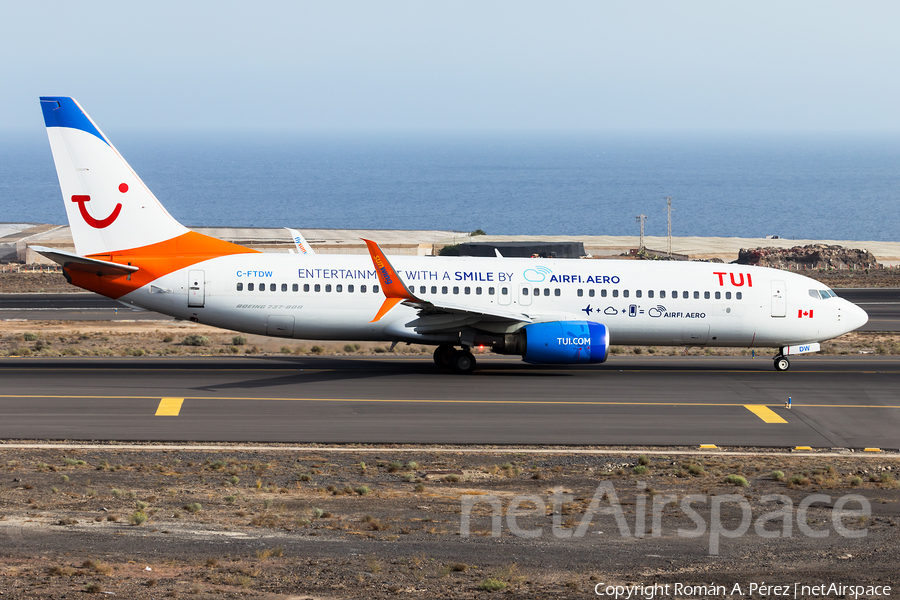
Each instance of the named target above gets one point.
<point>882,304</point>
<point>837,402</point>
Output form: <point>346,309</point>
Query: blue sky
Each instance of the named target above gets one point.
<point>761,66</point>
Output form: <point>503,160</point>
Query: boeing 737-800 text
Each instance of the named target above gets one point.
<point>128,247</point>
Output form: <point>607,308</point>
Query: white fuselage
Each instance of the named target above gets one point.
<point>334,297</point>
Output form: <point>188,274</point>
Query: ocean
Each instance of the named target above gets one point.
<point>805,187</point>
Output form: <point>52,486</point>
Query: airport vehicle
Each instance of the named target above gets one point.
<point>128,247</point>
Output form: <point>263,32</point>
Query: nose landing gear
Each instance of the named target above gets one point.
<point>782,363</point>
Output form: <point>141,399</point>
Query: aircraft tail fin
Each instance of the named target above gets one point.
<point>300,242</point>
<point>108,206</point>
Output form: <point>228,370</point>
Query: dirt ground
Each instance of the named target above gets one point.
<point>388,522</point>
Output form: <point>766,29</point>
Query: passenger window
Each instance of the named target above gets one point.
<point>649,293</point>
<point>728,295</point>
<point>350,288</point>
<point>556,292</point>
<point>434,289</point>
<point>615,293</point>
<point>444,289</point>
<point>624,293</point>
<point>603,293</point>
<point>696,295</point>
<point>362,289</point>
<point>283,287</point>
<point>546,291</point>
<point>374,289</point>
<point>327,287</point>
<point>580,292</point>
<point>504,291</point>
<point>455,289</point>
<point>637,293</point>
<point>240,287</point>
<point>339,288</point>
<point>272,287</point>
<point>674,295</point>
<point>685,295</point>
<point>249,287</point>
<point>537,291</point>
<point>738,295</point>
<point>591,293</point>
<point>318,287</point>
<point>305,287</point>
<point>412,289</point>
<point>295,287</point>
<point>467,290</point>
<point>478,291</point>
<point>662,293</point>
<point>718,295</point>
<point>492,291</point>
<point>524,291</point>
<point>706,295</point>
<point>262,287</point>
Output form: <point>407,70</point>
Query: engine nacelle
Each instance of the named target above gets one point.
<point>565,342</point>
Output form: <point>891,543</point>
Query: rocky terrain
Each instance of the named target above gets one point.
<point>813,257</point>
<point>364,522</point>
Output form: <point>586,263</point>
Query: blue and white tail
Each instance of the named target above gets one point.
<point>108,206</point>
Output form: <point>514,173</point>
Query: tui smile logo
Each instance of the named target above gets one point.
<point>98,223</point>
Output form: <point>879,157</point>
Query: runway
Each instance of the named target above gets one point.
<point>882,304</point>
<point>837,402</point>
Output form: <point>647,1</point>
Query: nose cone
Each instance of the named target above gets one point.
<point>855,316</point>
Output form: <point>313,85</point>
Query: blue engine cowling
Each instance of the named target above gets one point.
<point>566,342</point>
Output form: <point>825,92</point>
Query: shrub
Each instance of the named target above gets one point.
<point>778,475</point>
<point>168,338</point>
<point>29,337</point>
<point>193,507</point>
<point>317,350</point>
<point>362,490</point>
<point>238,340</point>
<point>856,481</point>
<point>137,518</point>
<point>195,340</point>
<point>492,585</point>
<point>641,470</point>
<point>736,480</point>
<point>230,499</point>
<point>643,459</point>
<point>696,470</point>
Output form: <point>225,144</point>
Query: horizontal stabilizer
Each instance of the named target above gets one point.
<point>74,262</point>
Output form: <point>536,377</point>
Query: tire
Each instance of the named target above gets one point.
<point>782,363</point>
<point>462,362</point>
<point>443,355</point>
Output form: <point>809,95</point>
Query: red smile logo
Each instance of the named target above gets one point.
<point>96,223</point>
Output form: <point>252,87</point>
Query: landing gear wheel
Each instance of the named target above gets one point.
<point>462,362</point>
<point>782,363</point>
<point>442,356</point>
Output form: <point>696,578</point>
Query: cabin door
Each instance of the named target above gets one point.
<point>779,299</point>
<point>196,288</point>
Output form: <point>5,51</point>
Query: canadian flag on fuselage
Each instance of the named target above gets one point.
<point>804,313</point>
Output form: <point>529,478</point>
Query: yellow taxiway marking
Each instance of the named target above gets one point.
<point>708,447</point>
<point>765,413</point>
<point>803,448</point>
<point>438,401</point>
<point>871,449</point>
<point>169,407</point>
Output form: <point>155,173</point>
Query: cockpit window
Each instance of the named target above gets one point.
<point>814,294</point>
<point>826,294</point>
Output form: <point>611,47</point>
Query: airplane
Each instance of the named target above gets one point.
<point>548,311</point>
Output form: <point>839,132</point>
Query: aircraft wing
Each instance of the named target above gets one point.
<point>74,262</point>
<point>396,292</point>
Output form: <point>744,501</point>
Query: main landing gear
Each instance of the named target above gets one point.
<point>460,361</point>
